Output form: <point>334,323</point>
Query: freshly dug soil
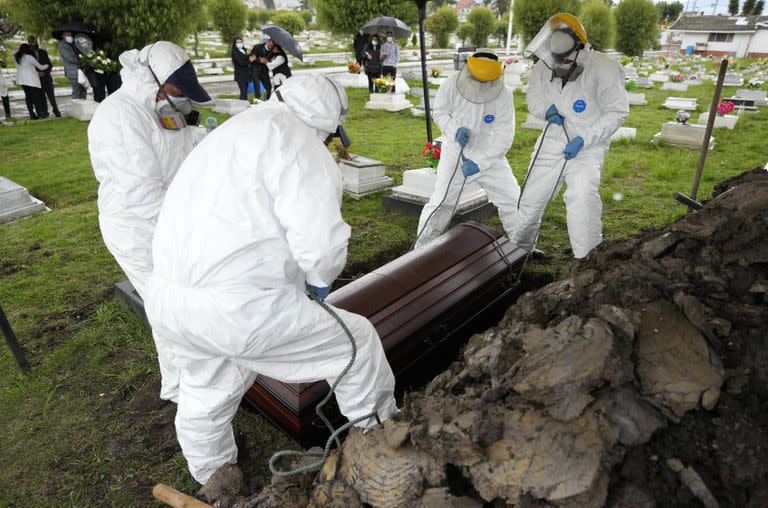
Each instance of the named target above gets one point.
<point>640,380</point>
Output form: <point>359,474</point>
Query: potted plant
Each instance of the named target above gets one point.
<point>342,153</point>
<point>353,68</point>
<point>676,77</point>
<point>432,152</point>
<point>630,85</point>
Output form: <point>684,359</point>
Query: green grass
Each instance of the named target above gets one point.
<point>85,427</point>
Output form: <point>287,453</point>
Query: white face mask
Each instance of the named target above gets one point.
<point>375,43</point>
<point>390,39</point>
<point>69,39</point>
<point>183,106</point>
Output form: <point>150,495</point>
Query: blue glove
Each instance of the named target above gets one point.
<point>320,293</point>
<point>462,136</point>
<point>469,168</point>
<point>573,148</point>
<point>554,116</point>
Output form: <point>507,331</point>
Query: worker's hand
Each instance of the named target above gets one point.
<point>462,136</point>
<point>320,293</point>
<point>469,168</point>
<point>573,148</point>
<point>554,116</point>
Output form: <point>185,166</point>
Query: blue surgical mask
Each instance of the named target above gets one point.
<point>240,45</point>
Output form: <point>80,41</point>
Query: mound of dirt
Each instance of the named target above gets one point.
<point>640,380</point>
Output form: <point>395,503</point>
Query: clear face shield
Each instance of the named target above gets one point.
<point>558,44</point>
<point>482,78</point>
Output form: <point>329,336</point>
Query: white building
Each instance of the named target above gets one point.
<point>463,7</point>
<point>739,36</point>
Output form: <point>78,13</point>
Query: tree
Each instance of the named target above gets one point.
<point>441,24</point>
<point>598,21</point>
<point>733,7</point>
<point>637,26</point>
<point>669,11</point>
<point>125,23</point>
<point>484,22</point>
<point>748,7</point>
<point>290,21</point>
<point>229,18</point>
<point>501,29</point>
<point>253,20</point>
<point>306,15</point>
<point>759,6</point>
<point>464,32</point>
<point>499,6</point>
<point>201,23</point>
<point>348,16</point>
<point>530,15</point>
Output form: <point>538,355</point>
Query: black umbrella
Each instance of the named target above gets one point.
<point>76,27</point>
<point>384,24</point>
<point>284,40</point>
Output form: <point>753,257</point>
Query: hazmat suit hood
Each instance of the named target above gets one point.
<point>137,78</point>
<point>319,103</point>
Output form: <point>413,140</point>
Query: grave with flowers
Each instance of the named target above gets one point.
<point>681,133</point>
<point>388,97</point>
<point>633,97</point>
<point>360,175</point>
<point>724,118</point>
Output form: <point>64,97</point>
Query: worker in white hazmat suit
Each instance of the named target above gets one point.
<point>476,116</point>
<point>580,93</point>
<point>246,229</point>
<point>137,141</point>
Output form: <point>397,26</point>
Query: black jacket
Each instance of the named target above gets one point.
<point>42,56</point>
<point>282,68</point>
<point>372,66</point>
<point>242,65</point>
<point>259,51</point>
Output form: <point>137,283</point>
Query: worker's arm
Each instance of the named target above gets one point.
<point>537,98</point>
<point>443,112</point>
<point>307,202</point>
<point>613,103</point>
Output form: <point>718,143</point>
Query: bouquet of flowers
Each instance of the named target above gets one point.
<point>431,152</point>
<point>682,116</point>
<point>510,60</point>
<point>630,85</point>
<point>384,84</point>
<point>725,108</point>
<point>99,62</point>
<point>435,72</point>
<point>693,77</point>
<point>353,68</point>
<point>676,77</point>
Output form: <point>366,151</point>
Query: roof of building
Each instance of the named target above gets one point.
<point>465,4</point>
<point>718,23</point>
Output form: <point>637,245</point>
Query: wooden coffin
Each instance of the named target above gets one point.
<point>424,305</point>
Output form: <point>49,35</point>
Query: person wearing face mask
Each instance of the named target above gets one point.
<point>372,62</point>
<point>390,53</point>
<point>276,62</point>
<point>137,140</point>
<point>242,66</point>
<point>71,61</point>
<point>229,289</point>
<point>580,93</point>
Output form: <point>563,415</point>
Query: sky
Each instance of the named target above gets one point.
<point>707,6</point>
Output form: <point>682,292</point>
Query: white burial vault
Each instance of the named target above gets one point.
<point>82,109</point>
<point>361,175</point>
<point>685,135</point>
<point>388,102</point>
<point>418,185</point>
<point>16,203</point>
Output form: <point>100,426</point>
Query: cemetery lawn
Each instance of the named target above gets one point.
<point>85,427</point>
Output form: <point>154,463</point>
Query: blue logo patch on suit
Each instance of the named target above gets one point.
<point>579,106</point>
<point>489,118</point>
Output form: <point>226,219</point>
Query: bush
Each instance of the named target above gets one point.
<point>306,16</point>
<point>229,18</point>
<point>290,21</point>
<point>530,15</point>
<point>484,23</point>
<point>465,32</point>
<point>253,20</point>
<point>637,26</point>
<point>598,21</point>
<point>345,17</point>
<point>441,24</point>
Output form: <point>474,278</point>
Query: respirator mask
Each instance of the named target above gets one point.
<point>558,45</point>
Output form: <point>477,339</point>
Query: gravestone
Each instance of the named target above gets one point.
<point>418,185</point>
<point>437,81</point>
<point>533,123</point>
<point>644,83</point>
<point>692,82</point>
<point>685,135</point>
<point>361,176</point>
<point>659,77</point>
<point>683,103</point>
<point>721,121</point>
<point>388,102</point>
<point>16,203</point>
<point>760,97</point>
<point>129,298</point>
<point>624,133</point>
<point>675,87</point>
<point>230,106</point>
<point>742,104</point>
<point>733,79</point>
<point>636,99</point>
<point>82,109</point>
<point>214,71</point>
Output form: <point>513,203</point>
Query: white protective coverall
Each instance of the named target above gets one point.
<point>492,130</point>
<point>134,160</point>
<point>594,107</point>
<point>244,226</point>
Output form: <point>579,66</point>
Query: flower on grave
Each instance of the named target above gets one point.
<point>384,84</point>
<point>676,77</point>
<point>693,77</point>
<point>415,53</point>
<point>435,72</point>
<point>432,152</point>
<point>510,60</point>
<point>354,68</point>
<point>630,85</point>
<point>682,116</point>
<point>725,108</point>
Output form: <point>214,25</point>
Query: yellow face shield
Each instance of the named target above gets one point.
<point>484,69</point>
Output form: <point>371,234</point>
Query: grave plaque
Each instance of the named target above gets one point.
<point>361,176</point>
<point>16,203</point>
<point>82,109</point>
<point>388,102</point>
<point>688,136</point>
<point>683,103</point>
<point>721,121</point>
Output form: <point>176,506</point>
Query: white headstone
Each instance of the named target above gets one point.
<point>213,71</point>
<point>230,106</point>
<point>388,102</point>
<point>759,96</point>
<point>659,77</point>
<point>16,203</point>
<point>419,184</point>
<point>681,103</point>
<point>362,176</point>
<point>721,121</point>
<point>624,133</point>
<point>733,79</point>
<point>82,109</point>
<point>692,82</point>
<point>636,99</point>
<point>533,123</point>
<point>644,83</point>
<point>688,136</point>
<point>677,87</point>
